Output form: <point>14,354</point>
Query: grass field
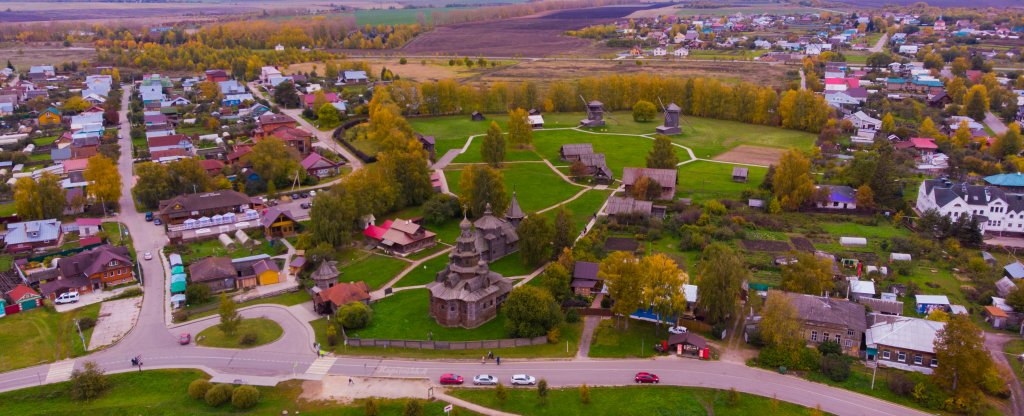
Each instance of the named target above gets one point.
<point>403,315</point>
<point>636,341</point>
<point>583,208</point>
<point>1016,348</point>
<point>375,270</point>
<point>43,141</point>
<point>511,265</point>
<point>266,330</point>
<point>630,401</point>
<point>708,137</point>
<point>425,273</point>
<point>619,151</point>
<point>525,178</point>
<point>8,209</point>
<point>702,180</point>
<point>286,299</point>
<point>165,392</point>
<point>210,248</point>
<point>375,17</point>
<point>42,335</point>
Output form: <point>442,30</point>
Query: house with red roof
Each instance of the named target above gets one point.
<point>376,233</point>
<point>174,141</point>
<point>212,166</point>
<point>320,167</point>
<point>23,298</point>
<point>309,99</point>
<point>923,145</point>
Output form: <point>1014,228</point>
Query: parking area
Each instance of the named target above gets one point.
<point>116,318</point>
<point>86,299</point>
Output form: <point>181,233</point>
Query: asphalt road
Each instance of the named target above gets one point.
<point>293,354</point>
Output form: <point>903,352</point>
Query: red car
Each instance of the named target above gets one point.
<point>185,338</point>
<point>645,377</point>
<point>451,379</point>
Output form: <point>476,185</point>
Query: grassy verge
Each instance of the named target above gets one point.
<point>511,265</point>
<point>165,392</point>
<point>424,273</point>
<point>374,269</point>
<point>524,177</point>
<point>266,331</point>
<point>286,299</point>
<point>640,400</point>
<point>636,341</point>
<point>404,315</point>
<point>42,335</point>
<point>210,248</point>
<point>1016,348</point>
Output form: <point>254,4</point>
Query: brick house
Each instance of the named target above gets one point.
<point>902,342</point>
<point>827,319</point>
<point>90,270</point>
<point>285,128</point>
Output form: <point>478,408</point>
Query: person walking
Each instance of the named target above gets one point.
<point>498,360</point>
<point>483,359</point>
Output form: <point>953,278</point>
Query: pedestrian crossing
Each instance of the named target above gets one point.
<point>60,371</point>
<point>321,366</point>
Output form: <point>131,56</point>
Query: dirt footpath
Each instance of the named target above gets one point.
<point>337,388</point>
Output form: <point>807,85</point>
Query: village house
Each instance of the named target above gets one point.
<point>174,141</point>
<point>827,319</point>
<point>840,197</point>
<point>861,120</point>
<point>217,75</point>
<point>217,273</point>
<point>283,127</point>
<point>326,301</point>
<point>49,118</point>
<point>194,206</point>
<point>626,209</point>
<point>278,223</point>
<point>320,167</point>
<point>585,281</point>
<point>353,77</point>
<point>902,342</point>
<point>268,72</point>
<point>401,237</point>
<point>664,177</point>
<point>31,235</point>
<point>428,143</point>
<point>91,270</point>
<point>309,99</point>
<point>997,210</point>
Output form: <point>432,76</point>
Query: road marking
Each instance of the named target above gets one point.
<point>60,371</point>
<point>321,366</point>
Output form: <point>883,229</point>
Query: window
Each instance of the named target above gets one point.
<point>113,263</point>
<point>849,332</point>
<point>839,340</point>
<point>824,337</point>
<point>935,362</point>
<point>918,359</point>
<point>885,354</point>
<point>901,357</point>
<point>814,336</point>
<point>849,343</point>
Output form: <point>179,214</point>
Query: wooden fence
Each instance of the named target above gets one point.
<point>446,345</point>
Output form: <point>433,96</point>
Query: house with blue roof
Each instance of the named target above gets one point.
<point>1008,181</point>
<point>838,197</point>
<point>354,77</point>
<point>30,235</point>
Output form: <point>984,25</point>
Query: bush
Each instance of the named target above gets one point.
<point>127,293</point>
<point>371,408</point>
<point>245,397</point>
<point>249,338</point>
<point>835,367</point>
<point>413,408</point>
<point>86,322</point>
<point>572,316</point>
<point>180,315</point>
<point>542,389</point>
<point>554,335</point>
<point>218,394</point>
<point>88,383</point>
<point>584,394</point>
<point>734,397</point>
<point>500,393</point>
<point>354,315</point>
<point>900,384</point>
<point>332,334</point>
<point>197,388</point>
<point>197,294</point>
<point>830,348</point>
<point>606,303</point>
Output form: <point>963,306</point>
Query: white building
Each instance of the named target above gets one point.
<point>996,210</point>
<point>681,53</point>
<point>861,120</point>
<point>659,51</point>
<point>268,72</point>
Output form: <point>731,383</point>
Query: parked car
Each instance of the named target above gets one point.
<point>158,222</point>
<point>295,196</point>
<point>185,338</point>
<point>149,216</point>
<point>451,379</point>
<point>148,256</point>
<point>523,380</point>
<point>304,205</point>
<point>312,193</point>
<point>66,297</point>
<point>677,329</point>
<point>304,194</point>
<point>485,380</point>
<point>645,377</point>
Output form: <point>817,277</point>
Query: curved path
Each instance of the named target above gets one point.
<point>292,356</point>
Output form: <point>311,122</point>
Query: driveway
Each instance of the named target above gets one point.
<point>116,318</point>
<point>995,342</point>
<point>995,123</point>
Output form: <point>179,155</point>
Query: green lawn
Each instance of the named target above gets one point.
<point>213,247</point>
<point>41,336</point>
<point>286,299</point>
<point>8,209</point>
<point>619,151</point>
<point>266,330</point>
<point>525,178</point>
<point>512,154</point>
<point>511,265</point>
<point>424,273</point>
<point>636,341</point>
<point>702,180</point>
<point>583,208</point>
<point>165,392</point>
<point>43,141</point>
<point>1016,348</point>
<point>374,269</point>
<point>860,382</point>
<point>630,401</point>
<point>375,17</point>
<point>41,157</point>
<point>404,315</point>
<point>709,137</point>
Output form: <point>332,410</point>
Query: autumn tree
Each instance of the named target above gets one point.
<point>803,110</point>
<point>105,180</point>
<point>622,275</point>
<point>483,186</point>
<point>408,170</point>
<point>808,274</point>
<point>644,111</point>
<point>1009,144</point>
<point>928,129</point>
<point>492,150</point>
<point>520,134</point>
<point>275,162</point>
<point>286,95</point>
<point>662,285</point>
<point>536,237</point>
<point>564,230</point>
<point>75,104</point>
<point>578,170</point>
<point>962,137</point>
<point>646,189</point>
<point>153,184</point>
<point>663,154</point>
<point>780,326</point>
<point>976,102</point>
<point>387,127</point>
<point>229,317</point>
<point>556,279</point>
<point>792,182</point>
<point>39,199</point>
<point>865,197</point>
<point>720,275</point>
<point>209,92</point>
<point>888,123</point>
<point>956,88</point>
<point>964,360</point>
<point>531,312</point>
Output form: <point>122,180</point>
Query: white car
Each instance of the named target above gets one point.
<point>523,380</point>
<point>677,330</point>
<point>148,256</point>
<point>66,297</point>
<point>485,380</point>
